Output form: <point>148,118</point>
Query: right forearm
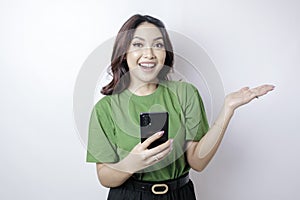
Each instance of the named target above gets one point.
<point>140,157</point>
<point>110,176</point>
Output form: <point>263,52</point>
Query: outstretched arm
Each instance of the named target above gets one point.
<point>200,153</point>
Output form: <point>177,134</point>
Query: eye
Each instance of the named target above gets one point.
<point>159,45</point>
<point>137,44</point>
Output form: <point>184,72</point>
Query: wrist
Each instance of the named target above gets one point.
<point>123,167</point>
<point>228,110</point>
<point>126,167</point>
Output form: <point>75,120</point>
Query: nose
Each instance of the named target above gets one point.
<point>148,53</point>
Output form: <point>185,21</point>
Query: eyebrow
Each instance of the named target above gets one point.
<point>140,38</point>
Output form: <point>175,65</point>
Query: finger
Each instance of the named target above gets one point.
<point>262,90</point>
<point>267,88</point>
<point>160,156</point>
<point>244,89</point>
<point>264,87</point>
<point>160,148</point>
<point>252,94</point>
<point>151,139</point>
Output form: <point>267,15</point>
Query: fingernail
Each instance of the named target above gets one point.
<point>161,132</point>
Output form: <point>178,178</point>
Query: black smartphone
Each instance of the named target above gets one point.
<point>153,122</point>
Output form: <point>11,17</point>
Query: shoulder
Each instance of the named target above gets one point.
<point>185,92</point>
<point>103,104</point>
<point>104,100</point>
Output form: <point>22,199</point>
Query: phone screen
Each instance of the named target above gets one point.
<point>153,122</point>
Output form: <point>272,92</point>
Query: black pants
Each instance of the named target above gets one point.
<point>126,192</point>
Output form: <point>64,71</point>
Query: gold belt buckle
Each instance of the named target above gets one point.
<point>159,185</point>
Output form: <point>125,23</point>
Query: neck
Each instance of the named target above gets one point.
<point>143,89</point>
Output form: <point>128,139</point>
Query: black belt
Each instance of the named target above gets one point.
<point>158,187</point>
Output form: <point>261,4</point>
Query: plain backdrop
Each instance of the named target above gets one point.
<point>44,43</point>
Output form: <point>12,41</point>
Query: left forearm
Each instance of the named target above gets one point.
<point>200,153</point>
<point>205,149</point>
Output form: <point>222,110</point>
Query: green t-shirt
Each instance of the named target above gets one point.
<point>115,129</point>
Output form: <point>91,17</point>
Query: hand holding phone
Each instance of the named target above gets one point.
<point>153,122</point>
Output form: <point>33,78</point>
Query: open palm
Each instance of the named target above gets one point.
<point>245,95</point>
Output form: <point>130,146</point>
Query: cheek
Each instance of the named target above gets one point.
<point>162,57</point>
<point>133,55</point>
<point>132,59</point>
<point>136,55</point>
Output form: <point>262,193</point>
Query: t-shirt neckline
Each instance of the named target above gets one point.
<point>132,95</point>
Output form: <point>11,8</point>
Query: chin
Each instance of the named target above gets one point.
<point>149,79</point>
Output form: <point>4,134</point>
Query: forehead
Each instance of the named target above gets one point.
<point>147,31</point>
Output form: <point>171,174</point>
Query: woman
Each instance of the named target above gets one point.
<point>142,57</point>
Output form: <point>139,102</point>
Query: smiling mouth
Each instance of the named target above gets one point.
<point>147,65</point>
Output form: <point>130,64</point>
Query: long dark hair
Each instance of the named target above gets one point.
<point>119,67</point>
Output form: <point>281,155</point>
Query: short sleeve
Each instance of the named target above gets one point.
<point>101,141</point>
<point>195,116</point>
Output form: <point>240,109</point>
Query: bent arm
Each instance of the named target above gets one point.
<point>200,153</point>
<point>115,174</point>
<point>109,176</point>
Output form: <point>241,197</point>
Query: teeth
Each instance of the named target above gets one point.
<point>149,65</point>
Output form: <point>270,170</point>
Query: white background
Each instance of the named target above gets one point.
<point>44,43</point>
